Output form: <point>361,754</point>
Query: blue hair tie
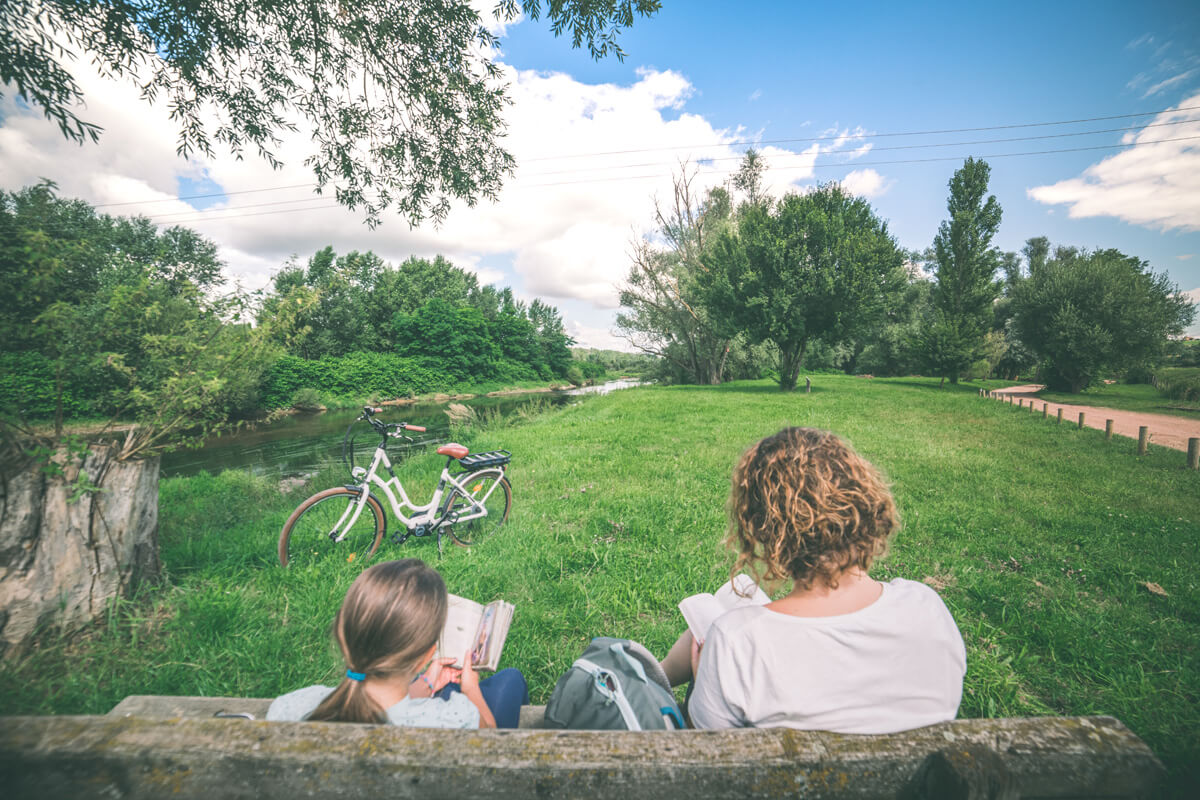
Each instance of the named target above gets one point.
<point>356,676</point>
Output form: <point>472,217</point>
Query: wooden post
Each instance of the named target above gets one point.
<point>1108,425</point>
<point>1045,409</point>
<point>1193,453</point>
<point>1143,439</point>
<point>1080,420</point>
<point>807,385</point>
<point>1060,415</point>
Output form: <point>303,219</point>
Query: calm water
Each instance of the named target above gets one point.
<point>304,443</point>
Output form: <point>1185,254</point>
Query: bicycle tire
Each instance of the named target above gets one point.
<point>498,504</point>
<point>305,535</point>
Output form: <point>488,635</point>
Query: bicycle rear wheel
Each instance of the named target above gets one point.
<point>497,504</point>
<point>306,536</point>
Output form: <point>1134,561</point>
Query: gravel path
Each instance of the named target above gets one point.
<point>1165,430</point>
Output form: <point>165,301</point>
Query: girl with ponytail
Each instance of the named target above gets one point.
<point>387,630</point>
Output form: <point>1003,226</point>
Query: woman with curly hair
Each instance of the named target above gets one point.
<point>841,651</point>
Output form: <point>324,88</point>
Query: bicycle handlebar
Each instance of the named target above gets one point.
<point>419,428</point>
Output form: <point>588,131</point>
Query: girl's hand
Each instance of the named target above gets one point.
<point>440,673</point>
<point>696,648</point>
<point>469,678</point>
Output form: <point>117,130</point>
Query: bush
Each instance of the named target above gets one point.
<point>307,399</point>
<point>1179,383</point>
<point>354,375</point>
<point>27,388</point>
<point>575,375</point>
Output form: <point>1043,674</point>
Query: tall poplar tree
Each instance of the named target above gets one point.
<point>965,265</point>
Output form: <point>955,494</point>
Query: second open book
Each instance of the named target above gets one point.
<point>475,628</point>
<point>701,610</point>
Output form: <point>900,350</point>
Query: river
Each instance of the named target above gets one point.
<point>303,443</point>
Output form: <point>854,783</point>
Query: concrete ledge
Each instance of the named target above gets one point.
<point>137,757</point>
<point>155,706</point>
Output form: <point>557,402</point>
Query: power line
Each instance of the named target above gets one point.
<point>868,136</point>
<point>202,196</point>
<point>718,144</point>
<point>857,164</point>
<point>194,211</point>
<point>893,147</point>
<point>730,172</point>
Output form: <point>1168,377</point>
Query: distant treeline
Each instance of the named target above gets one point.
<point>736,283</point>
<point>107,315</point>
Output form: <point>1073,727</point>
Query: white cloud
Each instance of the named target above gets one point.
<point>598,338</point>
<point>1155,184</point>
<point>866,182</point>
<point>1193,294</point>
<point>1167,83</point>
<point>1186,256</point>
<point>757,93</point>
<point>564,221</point>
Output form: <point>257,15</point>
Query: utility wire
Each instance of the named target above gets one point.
<point>855,165</point>
<point>869,135</point>
<point>659,175</point>
<point>711,144</point>
<point>193,212</point>
<point>879,149</point>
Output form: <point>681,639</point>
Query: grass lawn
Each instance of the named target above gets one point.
<point>1040,538</point>
<point>1128,397</point>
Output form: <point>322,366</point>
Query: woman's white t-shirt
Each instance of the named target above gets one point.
<point>895,665</point>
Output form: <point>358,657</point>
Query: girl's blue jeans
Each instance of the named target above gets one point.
<point>505,693</point>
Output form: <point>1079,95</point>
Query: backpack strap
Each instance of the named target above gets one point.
<point>602,676</point>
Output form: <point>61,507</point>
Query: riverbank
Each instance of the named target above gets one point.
<point>1067,561</point>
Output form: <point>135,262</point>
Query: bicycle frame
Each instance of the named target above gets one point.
<point>426,515</point>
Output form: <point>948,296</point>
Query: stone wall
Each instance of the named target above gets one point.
<point>61,562</point>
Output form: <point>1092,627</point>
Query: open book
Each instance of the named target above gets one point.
<point>701,610</point>
<point>479,629</point>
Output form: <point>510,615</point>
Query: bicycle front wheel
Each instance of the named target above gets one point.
<point>308,535</point>
<point>492,485</point>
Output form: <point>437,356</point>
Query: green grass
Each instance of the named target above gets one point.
<point>1128,397</point>
<point>1041,536</point>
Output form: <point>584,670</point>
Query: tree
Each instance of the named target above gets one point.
<point>454,339</point>
<point>965,264</point>
<point>403,101</point>
<point>126,316</point>
<point>1085,312</point>
<point>819,265</point>
<point>663,310</point>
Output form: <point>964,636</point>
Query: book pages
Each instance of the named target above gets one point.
<point>700,611</point>
<point>479,630</point>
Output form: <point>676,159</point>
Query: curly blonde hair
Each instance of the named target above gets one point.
<point>805,506</point>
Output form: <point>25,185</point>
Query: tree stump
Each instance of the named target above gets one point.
<point>61,560</point>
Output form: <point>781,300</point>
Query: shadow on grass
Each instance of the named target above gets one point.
<point>747,387</point>
<point>948,388</point>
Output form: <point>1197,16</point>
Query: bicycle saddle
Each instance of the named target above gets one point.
<point>453,450</point>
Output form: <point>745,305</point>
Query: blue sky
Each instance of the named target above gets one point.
<point>794,69</point>
<point>715,74</point>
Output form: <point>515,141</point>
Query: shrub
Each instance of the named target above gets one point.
<point>27,387</point>
<point>353,375</point>
<point>1179,383</point>
<point>307,399</point>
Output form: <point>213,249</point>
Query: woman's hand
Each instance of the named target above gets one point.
<point>696,648</point>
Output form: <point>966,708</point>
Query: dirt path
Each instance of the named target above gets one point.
<point>1165,430</point>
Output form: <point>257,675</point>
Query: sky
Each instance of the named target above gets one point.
<point>827,92</point>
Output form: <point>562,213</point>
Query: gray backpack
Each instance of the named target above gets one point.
<point>616,685</point>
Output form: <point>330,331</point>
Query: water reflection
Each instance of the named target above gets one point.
<point>304,443</point>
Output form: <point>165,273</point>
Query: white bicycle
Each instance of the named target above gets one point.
<point>349,521</point>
